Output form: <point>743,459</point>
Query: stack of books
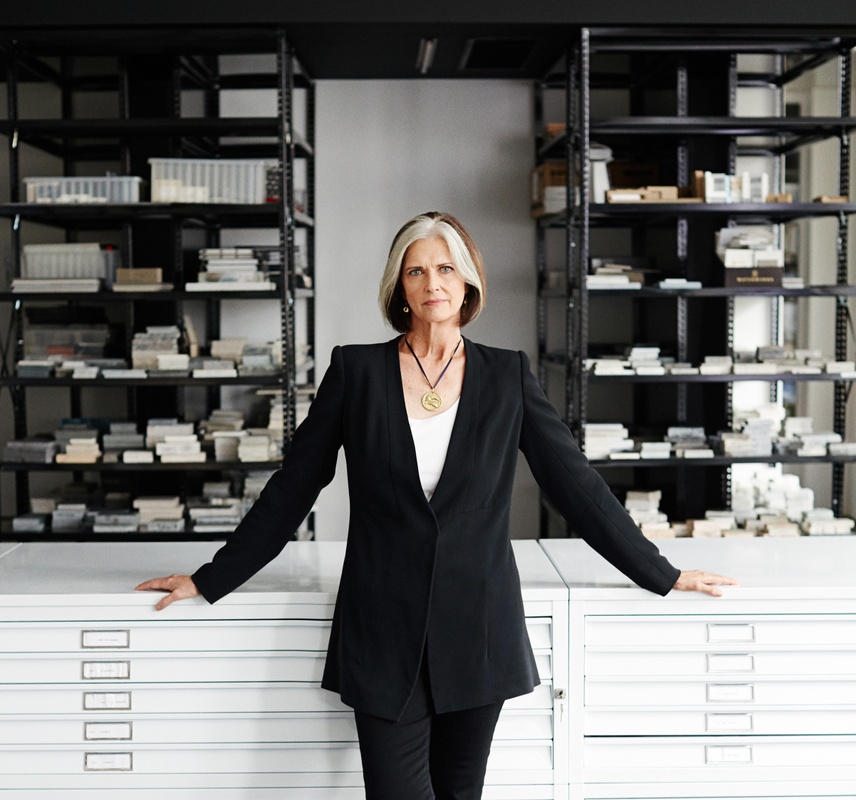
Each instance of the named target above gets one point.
<point>214,515</point>
<point>180,449</point>
<point>80,451</point>
<point>116,522</point>
<point>160,514</point>
<point>122,436</point>
<point>605,438</point>
<point>255,448</point>
<point>68,518</point>
<point>158,429</point>
<point>230,269</point>
<point>157,340</point>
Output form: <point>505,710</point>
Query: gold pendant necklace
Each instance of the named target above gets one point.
<point>431,400</point>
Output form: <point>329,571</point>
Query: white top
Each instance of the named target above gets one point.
<point>431,438</point>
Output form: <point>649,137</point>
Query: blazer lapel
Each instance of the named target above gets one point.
<point>458,468</point>
<point>404,468</point>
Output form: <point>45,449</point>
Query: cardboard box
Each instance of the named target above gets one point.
<point>139,275</point>
<point>551,174</point>
<point>753,277</point>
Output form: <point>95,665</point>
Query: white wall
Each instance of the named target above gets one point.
<point>387,150</point>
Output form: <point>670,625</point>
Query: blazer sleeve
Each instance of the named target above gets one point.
<point>581,496</point>
<point>307,467</point>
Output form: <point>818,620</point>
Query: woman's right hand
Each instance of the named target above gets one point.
<point>180,587</point>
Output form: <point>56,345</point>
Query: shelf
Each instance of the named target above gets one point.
<point>47,383</point>
<point>34,130</point>
<point>7,535</point>
<point>723,126</point>
<point>799,130</point>
<point>124,297</point>
<point>95,216</point>
<point>720,461</point>
<point>656,293</point>
<point>205,466</point>
<point>788,377</point>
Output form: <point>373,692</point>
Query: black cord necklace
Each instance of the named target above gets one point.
<point>431,400</point>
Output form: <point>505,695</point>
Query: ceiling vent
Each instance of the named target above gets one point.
<point>496,55</point>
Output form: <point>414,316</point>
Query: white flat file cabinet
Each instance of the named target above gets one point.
<point>102,697</point>
<point>751,695</point>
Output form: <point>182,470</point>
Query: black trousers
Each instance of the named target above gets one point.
<point>426,755</point>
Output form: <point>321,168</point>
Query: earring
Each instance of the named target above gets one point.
<point>466,299</point>
<point>406,310</point>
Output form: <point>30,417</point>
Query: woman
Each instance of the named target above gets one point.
<point>428,636</point>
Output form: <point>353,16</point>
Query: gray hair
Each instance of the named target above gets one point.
<point>466,259</point>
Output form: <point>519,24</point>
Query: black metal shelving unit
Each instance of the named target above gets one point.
<point>694,73</point>
<point>147,73</point>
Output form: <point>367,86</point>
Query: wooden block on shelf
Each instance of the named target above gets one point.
<point>139,275</point>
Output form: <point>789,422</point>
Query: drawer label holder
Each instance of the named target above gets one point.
<point>108,762</point>
<point>106,701</point>
<point>109,640</point>
<point>106,670</point>
<point>108,731</point>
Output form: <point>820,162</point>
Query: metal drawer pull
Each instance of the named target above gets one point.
<point>107,731</point>
<point>730,632</point>
<point>105,639</point>
<point>730,692</point>
<point>106,670</point>
<point>730,662</point>
<point>728,754</point>
<point>106,701</point>
<point>728,722</point>
<point>108,762</point>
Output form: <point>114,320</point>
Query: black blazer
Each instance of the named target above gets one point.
<point>440,573</point>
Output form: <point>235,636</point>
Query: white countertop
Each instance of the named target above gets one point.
<point>766,567</point>
<point>115,568</point>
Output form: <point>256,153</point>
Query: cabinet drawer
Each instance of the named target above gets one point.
<point>94,758</point>
<point>724,722</point>
<point>749,692</point>
<point>177,637</point>
<point>604,663</point>
<point>180,637</point>
<point>146,668</point>
<point>114,700</point>
<point>506,758</point>
<point>540,630</point>
<point>647,758</point>
<point>653,631</point>
<point>195,729</point>
<point>172,729</point>
<point>544,662</point>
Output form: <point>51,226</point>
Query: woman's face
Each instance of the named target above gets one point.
<point>432,287</point>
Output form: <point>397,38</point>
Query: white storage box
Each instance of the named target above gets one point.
<point>62,261</point>
<point>210,180</point>
<point>104,189</point>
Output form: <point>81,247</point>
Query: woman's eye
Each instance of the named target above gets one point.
<point>415,271</point>
<point>446,269</point>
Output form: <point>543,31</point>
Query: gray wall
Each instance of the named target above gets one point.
<point>387,150</point>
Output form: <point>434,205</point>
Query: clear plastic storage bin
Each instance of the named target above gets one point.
<point>68,261</point>
<point>105,189</point>
<point>210,180</point>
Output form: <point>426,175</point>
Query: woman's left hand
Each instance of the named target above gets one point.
<point>708,582</point>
